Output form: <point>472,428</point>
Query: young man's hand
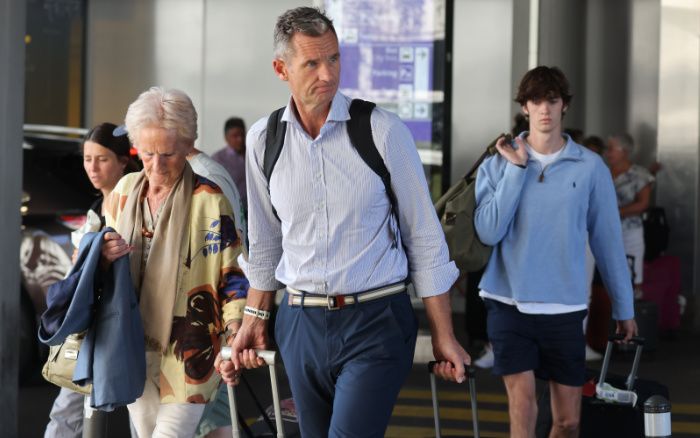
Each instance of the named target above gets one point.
<point>627,327</point>
<point>516,156</point>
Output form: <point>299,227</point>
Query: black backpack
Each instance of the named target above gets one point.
<point>360,133</point>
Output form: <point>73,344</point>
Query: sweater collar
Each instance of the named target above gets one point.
<point>572,150</point>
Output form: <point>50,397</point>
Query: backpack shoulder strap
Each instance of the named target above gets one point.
<point>360,133</point>
<point>274,141</point>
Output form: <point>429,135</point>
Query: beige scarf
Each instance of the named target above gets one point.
<point>158,287</point>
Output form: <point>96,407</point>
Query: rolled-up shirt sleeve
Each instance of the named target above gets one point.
<point>430,268</point>
<point>264,229</point>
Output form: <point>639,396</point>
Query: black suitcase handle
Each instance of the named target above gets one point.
<point>620,336</point>
<point>470,371</point>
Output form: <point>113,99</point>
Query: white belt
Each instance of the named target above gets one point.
<point>334,302</point>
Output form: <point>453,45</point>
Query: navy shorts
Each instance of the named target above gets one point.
<point>553,346</point>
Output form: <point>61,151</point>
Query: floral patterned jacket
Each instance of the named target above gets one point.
<point>211,292</point>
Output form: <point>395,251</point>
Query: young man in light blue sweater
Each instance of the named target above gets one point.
<point>538,200</point>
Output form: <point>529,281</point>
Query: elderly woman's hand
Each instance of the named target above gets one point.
<point>113,248</point>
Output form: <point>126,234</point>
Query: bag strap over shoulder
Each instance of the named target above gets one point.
<point>360,133</point>
<point>490,150</point>
<point>274,141</point>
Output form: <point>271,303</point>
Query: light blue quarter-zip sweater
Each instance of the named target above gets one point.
<point>538,219</point>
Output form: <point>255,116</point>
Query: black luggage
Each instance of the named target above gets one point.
<point>646,314</point>
<point>603,419</point>
<point>472,397</point>
<point>656,232</point>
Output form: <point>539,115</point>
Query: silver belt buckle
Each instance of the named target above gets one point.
<point>332,302</point>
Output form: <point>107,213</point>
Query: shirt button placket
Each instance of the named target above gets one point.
<point>317,196</point>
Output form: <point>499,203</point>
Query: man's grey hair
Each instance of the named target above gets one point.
<point>625,141</point>
<point>309,21</point>
<point>159,107</point>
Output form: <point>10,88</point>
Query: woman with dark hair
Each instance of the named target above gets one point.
<point>106,158</point>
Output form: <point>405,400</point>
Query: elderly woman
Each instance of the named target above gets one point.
<point>178,230</point>
<point>633,187</point>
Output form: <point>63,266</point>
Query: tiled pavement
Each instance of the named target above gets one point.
<point>676,363</point>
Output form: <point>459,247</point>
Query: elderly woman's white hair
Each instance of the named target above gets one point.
<point>625,141</point>
<point>163,108</point>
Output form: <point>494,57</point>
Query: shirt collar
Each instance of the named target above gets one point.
<point>339,112</point>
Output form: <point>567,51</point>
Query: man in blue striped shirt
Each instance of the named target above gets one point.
<point>323,228</point>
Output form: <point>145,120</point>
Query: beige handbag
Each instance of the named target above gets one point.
<point>60,365</point>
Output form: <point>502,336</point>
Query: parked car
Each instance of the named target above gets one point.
<point>56,195</point>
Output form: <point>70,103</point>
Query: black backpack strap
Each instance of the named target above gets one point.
<point>274,141</point>
<point>360,133</point>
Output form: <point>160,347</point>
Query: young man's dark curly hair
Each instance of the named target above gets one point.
<point>543,83</point>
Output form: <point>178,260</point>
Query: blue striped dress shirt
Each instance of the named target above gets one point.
<point>335,227</point>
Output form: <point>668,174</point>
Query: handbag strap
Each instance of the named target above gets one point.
<point>490,150</point>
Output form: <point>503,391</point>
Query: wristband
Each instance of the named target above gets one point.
<point>252,311</point>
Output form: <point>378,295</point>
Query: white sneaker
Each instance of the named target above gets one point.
<point>591,354</point>
<point>486,360</point>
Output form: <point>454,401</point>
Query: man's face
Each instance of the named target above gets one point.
<point>545,114</point>
<point>235,138</point>
<point>312,69</point>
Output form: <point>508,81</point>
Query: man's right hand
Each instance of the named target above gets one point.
<point>251,336</point>
<point>628,328</point>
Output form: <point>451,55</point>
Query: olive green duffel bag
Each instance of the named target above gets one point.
<point>456,212</point>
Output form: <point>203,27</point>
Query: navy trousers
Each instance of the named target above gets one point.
<point>346,366</point>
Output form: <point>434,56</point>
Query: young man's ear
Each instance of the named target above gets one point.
<point>564,109</point>
<point>280,68</point>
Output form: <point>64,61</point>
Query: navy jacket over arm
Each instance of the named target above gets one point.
<point>112,355</point>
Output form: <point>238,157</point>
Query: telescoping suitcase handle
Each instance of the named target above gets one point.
<point>632,377</point>
<point>470,371</point>
<point>270,358</point>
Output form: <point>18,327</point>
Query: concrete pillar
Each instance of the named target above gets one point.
<point>562,44</point>
<point>678,135</point>
<point>12,25</point>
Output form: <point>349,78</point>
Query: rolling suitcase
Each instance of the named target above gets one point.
<point>625,418</point>
<point>282,426</point>
<point>662,285</point>
<point>608,419</point>
<point>472,396</point>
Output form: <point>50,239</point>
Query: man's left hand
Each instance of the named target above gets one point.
<point>451,359</point>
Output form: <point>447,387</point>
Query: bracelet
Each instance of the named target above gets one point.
<point>258,313</point>
<point>522,166</point>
